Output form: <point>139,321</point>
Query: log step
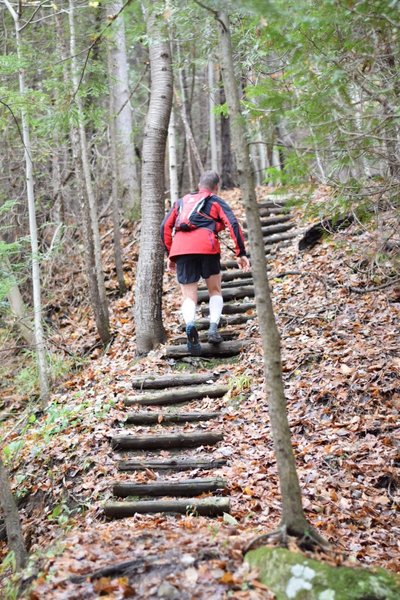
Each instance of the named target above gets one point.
<point>175,396</point>
<point>230,284</point>
<point>209,507</point>
<point>231,309</point>
<point>277,210</point>
<point>154,418</point>
<point>282,237</point>
<point>173,380</point>
<point>272,229</point>
<point>162,442</point>
<point>188,487</point>
<point>267,221</point>
<point>234,319</point>
<point>224,349</point>
<point>175,464</point>
<point>235,274</point>
<point>230,294</point>
<point>226,335</point>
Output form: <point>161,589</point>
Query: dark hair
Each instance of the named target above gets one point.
<point>209,180</point>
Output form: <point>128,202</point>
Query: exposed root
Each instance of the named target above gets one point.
<point>307,540</point>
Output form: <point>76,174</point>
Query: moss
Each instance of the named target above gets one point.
<point>292,576</point>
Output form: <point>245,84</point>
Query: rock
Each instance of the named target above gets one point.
<point>292,576</point>
<point>167,590</point>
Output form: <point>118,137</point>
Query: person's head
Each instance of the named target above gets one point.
<point>209,180</point>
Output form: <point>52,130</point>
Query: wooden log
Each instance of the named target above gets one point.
<point>172,380</point>
<point>231,284</point>
<point>175,464</point>
<point>176,396</point>
<point>225,321</point>
<point>282,237</point>
<point>235,274</point>
<point>203,336</point>
<point>267,221</point>
<point>230,294</point>
<point>271,229</point>
<point>278,210</point>
<point>162,442</point>
<point>154,418</point>
<point>224,349</point>
<point>231,309</point>
<point>209,507</point>
<point>188,487</point>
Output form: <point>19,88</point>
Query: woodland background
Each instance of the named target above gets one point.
<point>319,85</point>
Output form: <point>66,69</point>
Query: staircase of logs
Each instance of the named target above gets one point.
<point>182,440</point>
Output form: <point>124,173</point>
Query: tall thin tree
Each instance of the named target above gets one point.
<point>293,519</point>
<point>30,190</point>
<point>148,311</point>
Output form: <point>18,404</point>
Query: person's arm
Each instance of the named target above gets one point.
<point>226,215</point>
<point>167,227</point>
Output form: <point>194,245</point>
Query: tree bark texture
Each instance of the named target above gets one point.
<point>15,538</point>
<point>227,166</point>
<point>172,160</point>
<point>115,149</point>
<point>292,511</point>
<point>213,121</point>
<point>127,175</point>
<point>148,312</point>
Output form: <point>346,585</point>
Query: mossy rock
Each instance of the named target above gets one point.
<point>292,576</point>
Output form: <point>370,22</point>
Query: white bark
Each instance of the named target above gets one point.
<point>87,174</point>
<point>213,122</point>
<point>114,191</point>
<point>128,180</point>
<point>37,300</point>
<point>172,159</point>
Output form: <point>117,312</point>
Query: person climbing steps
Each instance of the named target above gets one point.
<point>190,235</point>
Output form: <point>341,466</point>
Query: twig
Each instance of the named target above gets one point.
<point>375,288</point>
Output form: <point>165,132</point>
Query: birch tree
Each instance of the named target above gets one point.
<point>127,172</point>
<point>30,191</point>
<point>148,312</point>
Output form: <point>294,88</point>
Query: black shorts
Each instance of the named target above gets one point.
<point>190,267</point>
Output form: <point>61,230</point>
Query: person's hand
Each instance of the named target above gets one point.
<point>171,265</point>
<point>243,263</point>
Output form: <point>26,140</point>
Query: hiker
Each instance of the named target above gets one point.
<point>189,233</point>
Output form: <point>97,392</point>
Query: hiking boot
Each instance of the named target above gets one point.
<point>213,336</point>
<point>193,343</point>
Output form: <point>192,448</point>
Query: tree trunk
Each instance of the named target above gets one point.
<point>148,312</point>
<point>15,538</point>
<point>127,176</point>
<point>292,512</point>
<point>172,160</point>
<point>37,300</point>
<point>18,308</point>
<point>213,124</point>
<point>114,185</point>
<point>100,301</point>
<point>227,168</point>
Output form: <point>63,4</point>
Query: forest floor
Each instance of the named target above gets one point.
<point>341,366</point>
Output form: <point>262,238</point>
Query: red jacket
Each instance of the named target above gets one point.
<point>203,239</point>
